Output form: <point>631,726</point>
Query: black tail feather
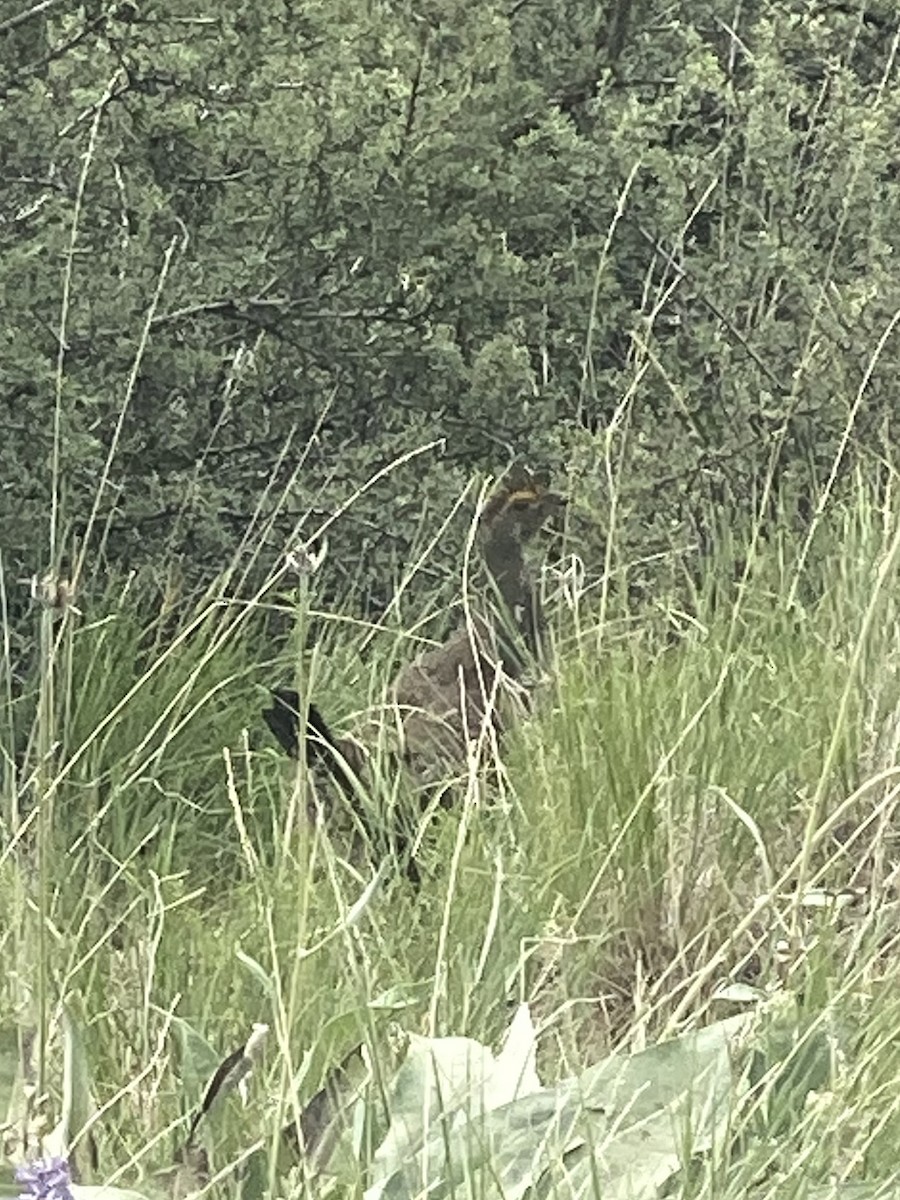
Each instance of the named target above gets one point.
<point>321,746</point>
<point>283,719</point>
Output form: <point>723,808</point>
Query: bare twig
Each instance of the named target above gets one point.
<point>22,17</point>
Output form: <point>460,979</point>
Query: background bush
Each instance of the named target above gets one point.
<point>250,256</point>
<point>274,270</point>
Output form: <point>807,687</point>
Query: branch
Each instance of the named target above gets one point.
<point>411,106</point>
<point>22,17</point>
<point>253,309</point>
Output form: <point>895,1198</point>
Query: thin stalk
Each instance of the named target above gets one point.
<point>45,806</point>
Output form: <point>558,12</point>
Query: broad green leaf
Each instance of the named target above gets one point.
<point>504,1149</point>
<point>514,1072</point>
<point>644,1114</point>
<point>626,1124</point>
<point>658,1076</point>
<point>437,1076</point>
<point>444,1085</point>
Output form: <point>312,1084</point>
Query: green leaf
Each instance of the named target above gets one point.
<point>78,1106</point>
<point>9,1072</point>
<point>644,1115</point>
<point>443,1084</point>
<point>795,1058</point>
<point>886,1190</point>
<point>16,1046</point>
<point>198,1058</point>
<point>8,1185</point>
<point>625,1126</point>
<point>399,997</point>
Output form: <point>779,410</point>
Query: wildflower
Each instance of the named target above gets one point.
<point>45,1179</point>
<point>56,592</point>
<point>307,558</point>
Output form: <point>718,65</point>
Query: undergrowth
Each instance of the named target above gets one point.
<point>695,819</point>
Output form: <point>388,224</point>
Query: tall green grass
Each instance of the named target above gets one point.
<point>690,769</point>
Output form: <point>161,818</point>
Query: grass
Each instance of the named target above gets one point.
<point>690,769</point>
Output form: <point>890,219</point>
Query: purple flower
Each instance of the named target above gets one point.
<point>45,1179</point>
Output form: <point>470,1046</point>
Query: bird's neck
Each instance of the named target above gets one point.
<point>520,618</point>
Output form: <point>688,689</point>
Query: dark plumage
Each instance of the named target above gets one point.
<point>450,692</point>
<point>283,718</point>
<point>447,695</point>
<point>341,758</point>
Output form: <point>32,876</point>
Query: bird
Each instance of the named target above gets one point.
<point>446,696</point>
<point>455,690</point>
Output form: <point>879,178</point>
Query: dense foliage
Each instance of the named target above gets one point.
<point>271,267</point>
<point>249,254</point>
